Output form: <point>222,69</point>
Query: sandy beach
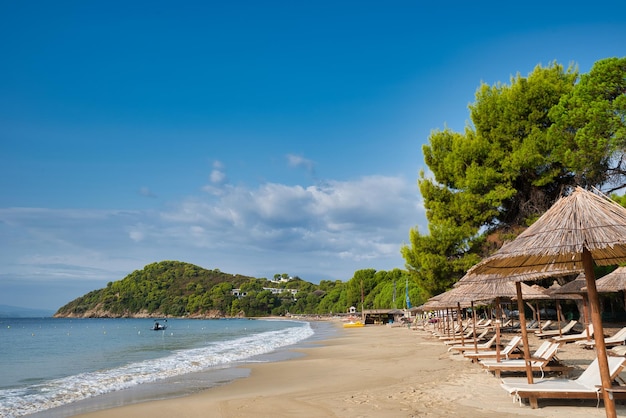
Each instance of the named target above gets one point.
<point>375,371</point>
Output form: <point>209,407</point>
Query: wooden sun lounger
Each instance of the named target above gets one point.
<point>544,327</point>
<point>468,340</point>
<point>543,360</point>
<point>467,334</point>
<point>555,332</point>
<point>586,386</point>
<point>456,330</point>
<point>504,353</point>
<point>619,338</point>
<point>574,337</point>
<point>531,325</point>
<point>469,346</point>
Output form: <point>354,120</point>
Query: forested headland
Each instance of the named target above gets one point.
<point>178,289</point>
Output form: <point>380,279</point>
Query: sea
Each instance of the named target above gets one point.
<point>59,367</point>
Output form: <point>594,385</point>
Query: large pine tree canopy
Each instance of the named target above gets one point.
<point>527,143</point>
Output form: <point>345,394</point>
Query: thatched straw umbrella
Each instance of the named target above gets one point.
<point>575,232</point>
<point>451,299</point>
<point>576,289</point>
<point>471,288</point>
<point>518,279</point>
<point>462,295</point>
<point>613,282</point>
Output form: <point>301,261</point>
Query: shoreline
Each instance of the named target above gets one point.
<point>374,371</point>
<point>186,384</point>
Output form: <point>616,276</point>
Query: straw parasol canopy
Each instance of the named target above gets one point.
<point>528,276</point>
<point>575,287</point>
<point>577,231</point>
<point>612,282</point>
<point>474,291</point>
<point>582,220</point>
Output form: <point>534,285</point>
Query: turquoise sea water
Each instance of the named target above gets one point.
<point>48,362</point>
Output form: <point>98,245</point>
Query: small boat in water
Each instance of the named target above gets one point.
<point>158,326</point>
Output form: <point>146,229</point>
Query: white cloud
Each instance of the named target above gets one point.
<point>323,231</point>
<point>145,191</point>
<point>300,162</point>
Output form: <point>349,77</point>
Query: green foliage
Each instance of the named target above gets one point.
<point>589,130</point>
<point>528,143</point>
<point>173,288</point>
<point>168,288</point>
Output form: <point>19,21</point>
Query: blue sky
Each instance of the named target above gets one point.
<point>253,137</point>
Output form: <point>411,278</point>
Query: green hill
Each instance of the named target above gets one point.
<point>177,289</point>
<point>166,288</point>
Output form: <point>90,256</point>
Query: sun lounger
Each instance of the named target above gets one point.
<point>456,330</point>
<point>619,350</point>
<point>586,386</point>
<point>543,360</point>
<point>504,353</point>
<point>555,332</point>
<point>479,337</point>
<point>457,336</point>
<point>574,337</point>
<point>537,354</point>
<point>531,325</point>
<point>544,327</point>
<point>619,338</point>
<point>469,345</point>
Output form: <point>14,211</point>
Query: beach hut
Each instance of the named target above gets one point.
<point>577,231</point>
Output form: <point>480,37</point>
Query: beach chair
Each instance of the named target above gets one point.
<point>469,345</point>
<point>574,337</point>
<point>504,353</point>
<point>586,386</point>
<point>544,327</point>
<point>456,330</point>
<point>469,338</point>
<point>555,332</point>
<point>543,360</point>
<point>537,354</point>
<point>618,350</point>
<point>619,338</point>
<point>457,336</point>
<point>531,325</point>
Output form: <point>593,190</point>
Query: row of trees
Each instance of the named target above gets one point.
<point>527,144</point>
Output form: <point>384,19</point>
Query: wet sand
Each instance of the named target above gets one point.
<point>375,371</point>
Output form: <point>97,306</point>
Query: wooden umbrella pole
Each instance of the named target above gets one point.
<point>559,317</point>
<point>522,319</point>
<point>532,308</point>
<point>498,341</point>
<point>538,316</point>
<point>474,316</point>
<point>596,318</point>
<point>460,321</point>
<point>586,313</point>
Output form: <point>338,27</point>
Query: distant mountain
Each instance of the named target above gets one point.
<point>7,311</point>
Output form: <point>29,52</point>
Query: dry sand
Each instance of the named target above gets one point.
<point>375,371</point>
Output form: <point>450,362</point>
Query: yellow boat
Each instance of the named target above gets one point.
<point>355,324</point>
